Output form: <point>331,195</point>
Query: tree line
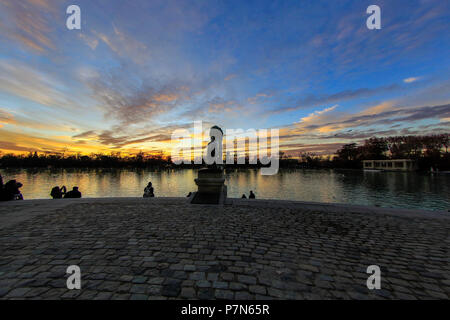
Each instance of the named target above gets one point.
<point>429,151</point>
<point>95,160</point>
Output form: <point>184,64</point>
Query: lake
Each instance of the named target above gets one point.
<point>386,189</point>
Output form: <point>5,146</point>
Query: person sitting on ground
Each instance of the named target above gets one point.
<point>148,191</point>
<point>251,195</point>
<point>2,191</point>
<point>1,188</point>
<point>57,193</point>
<point>18,195</point>
<point>74,193</point>
<point>11,191</point>
<point>244,196</point>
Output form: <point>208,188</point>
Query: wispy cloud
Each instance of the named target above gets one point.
<point>320,135</point>
<point>91,41</point>
<point>124,45</point>
<point>6,117</point>
<point>116,140</point>
<point>132,102</point>
<point>317,114</point>
<point>338,97</point>
<point>12,141</point>
<point>411,79</point>
<point>24,81</point>
<point>230,76</point>
<point>398,115</point>
<point>28,22</point>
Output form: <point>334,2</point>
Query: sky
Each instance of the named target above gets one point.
<point>138,70</point>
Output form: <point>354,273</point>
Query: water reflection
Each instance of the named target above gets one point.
<point>388,189</point>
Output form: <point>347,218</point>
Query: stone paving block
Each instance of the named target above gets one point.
<point>188,293</point>
<point>224,294</point>
<point>246,279</point>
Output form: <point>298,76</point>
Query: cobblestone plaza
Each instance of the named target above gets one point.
<point>168,249</point>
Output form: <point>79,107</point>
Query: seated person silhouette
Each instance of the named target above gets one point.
<point>1,187</point>
<point>251,195</point>
<point>148,191</point>
<point>74,193</point>
<point>244,196</point>
<point>57,193</point>
<point>10,191</point>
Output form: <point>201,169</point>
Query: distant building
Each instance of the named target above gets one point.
<point>390,165</point>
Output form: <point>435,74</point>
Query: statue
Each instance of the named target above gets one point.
<point>210,181</point>
<point>214,148</point>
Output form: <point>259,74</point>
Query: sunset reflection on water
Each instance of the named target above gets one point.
<point>386,189</point>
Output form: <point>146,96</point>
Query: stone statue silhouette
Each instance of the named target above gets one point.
<point>214,148</point>
<point>210,181</point>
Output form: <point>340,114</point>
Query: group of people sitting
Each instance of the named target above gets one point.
<point>149,193</point>
<point>10,190</point>
<point>59,193</point>
<point>250,196</point>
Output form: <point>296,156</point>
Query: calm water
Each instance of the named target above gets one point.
<point>387,189</point>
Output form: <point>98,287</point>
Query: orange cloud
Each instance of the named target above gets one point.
<point>317,114</point>
<point>6,117</point>
<point>410,80</point>
<point>165,97</point>
<point>385,106</point>
<point>22,143</point>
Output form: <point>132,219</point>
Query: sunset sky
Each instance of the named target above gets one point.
<point>138,70</point>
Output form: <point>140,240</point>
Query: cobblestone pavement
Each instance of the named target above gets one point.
<point>156,249</point>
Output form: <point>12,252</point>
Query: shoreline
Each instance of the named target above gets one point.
<point>36,207</point>
<point>132,168</point>
<point>310,205</point>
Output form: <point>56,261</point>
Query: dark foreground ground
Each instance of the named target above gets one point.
<point>166,248</point>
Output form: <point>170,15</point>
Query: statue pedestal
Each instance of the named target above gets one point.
<point>211,187</point>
